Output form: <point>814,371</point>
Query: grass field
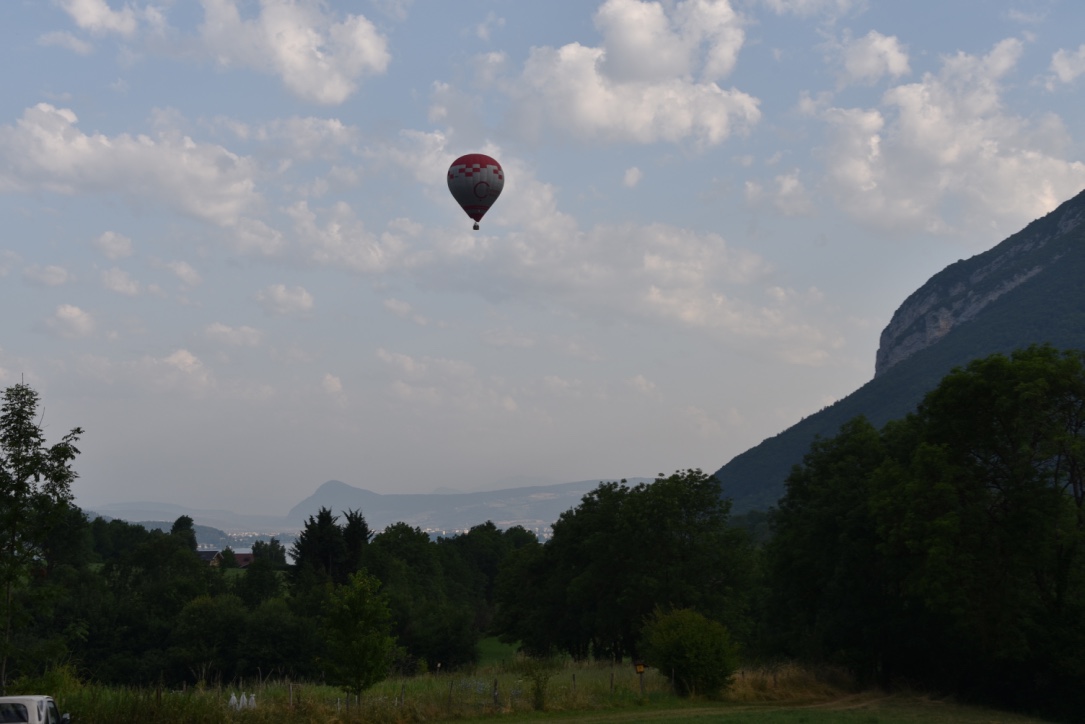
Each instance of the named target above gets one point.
<point>506,691</point>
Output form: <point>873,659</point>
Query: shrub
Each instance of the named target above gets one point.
<point>695,651</point>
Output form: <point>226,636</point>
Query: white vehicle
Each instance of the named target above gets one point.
<point>31,710</point>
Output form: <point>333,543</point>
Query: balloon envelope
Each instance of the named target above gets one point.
<point>475,181</point>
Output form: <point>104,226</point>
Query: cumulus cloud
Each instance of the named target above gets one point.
<point>806,8</point>
<point>403,309</point>
<point>46,150</point>
<point>443,382</point>
<point>178,370</point>
<point>632,177</point>
<point>297,138</point>
<point>61,39</point>
<point>47,276</point>
<point>1068,65</point>
<point>318,57</point>
<point>280,300</point>
<point>332,384</point>
<point>946,142</point>
<point>870,58</point>
<point>653,78</point>
<point>242,336</point>
<point>337,237</point>
<point>790,195</point>
<point>71,322</point>
<point>185,272</point>
<point>118,280</point>
<point>113,245</point>
<point>641,384</point>
<point>98,17</point>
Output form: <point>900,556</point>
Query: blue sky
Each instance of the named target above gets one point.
<point>230,254</point>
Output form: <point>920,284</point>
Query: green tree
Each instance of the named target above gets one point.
<point>357,635</point>
<point>319,549</point>
<point>272,551</point>
<point>184,528</point>
<point>206,636</point>
<point>948,548</point>
<point>696,652</point>
<point>35,492</point>
<point>617,556</point>
<point>434,613</point>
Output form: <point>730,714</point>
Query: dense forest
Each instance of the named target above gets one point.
<point>944,550</point>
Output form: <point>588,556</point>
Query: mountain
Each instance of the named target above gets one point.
<point>534,507</point>
<point>1029,289</point>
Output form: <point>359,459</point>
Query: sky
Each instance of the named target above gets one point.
<point>229,252</point>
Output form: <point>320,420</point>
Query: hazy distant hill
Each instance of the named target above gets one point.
<point>1028,289</point>
<point>534,507</point>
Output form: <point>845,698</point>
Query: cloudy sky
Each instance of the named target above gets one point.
<point>229,251</point>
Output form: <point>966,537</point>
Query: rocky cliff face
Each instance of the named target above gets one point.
<point>962,290</point>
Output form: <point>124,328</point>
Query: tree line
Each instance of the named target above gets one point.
<point>946,549</point>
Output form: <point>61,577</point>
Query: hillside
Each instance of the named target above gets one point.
<point>1029,289</point>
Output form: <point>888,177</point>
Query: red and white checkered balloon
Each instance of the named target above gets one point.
<point>475,181</point>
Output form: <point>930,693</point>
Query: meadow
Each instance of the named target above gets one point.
<point>510,690</point>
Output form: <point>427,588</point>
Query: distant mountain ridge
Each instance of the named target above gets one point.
<point>534,507</point>
<point>1029,289</point>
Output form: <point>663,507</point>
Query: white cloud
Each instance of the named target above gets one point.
<point>486,27</point>
<point>280,300</point>
<point>184,271</point>
<point>639,85</point>
<point>443,382</point>
<point>642,384</point>
<point>46,150</point>
<point>332,384</point>
<point>113,245</point>
<point>632,177</point>
<point>118,280</point>
<point>70,321</point>
<point>318,57</point>
<point>242,336</point>
<point>47,276</point>
<point>403,309</point>
<point>791,197</point>
<point>944,143</point>
<point>179,370</point>
<point>807,8</point>
<point>873,56</point>
<point>61,39</point>
<point>298,138</point>
<point>1067,66</point>
<point>98,17</point>
<point>336,237</point>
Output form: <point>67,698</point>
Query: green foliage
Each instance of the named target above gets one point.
<point>949,547</point>
<point>695,651</point>
<point>357,635</point>
<point>35,494</point>
<point>621,553</point>
<point>271,551</point>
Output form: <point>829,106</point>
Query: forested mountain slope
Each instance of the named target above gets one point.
<point>1029,289</point>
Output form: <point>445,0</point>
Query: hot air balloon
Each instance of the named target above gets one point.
<point>475,181</point>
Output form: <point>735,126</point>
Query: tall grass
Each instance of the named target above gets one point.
<point>503,688</point>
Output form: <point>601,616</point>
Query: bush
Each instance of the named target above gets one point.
<point>696,652</point>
